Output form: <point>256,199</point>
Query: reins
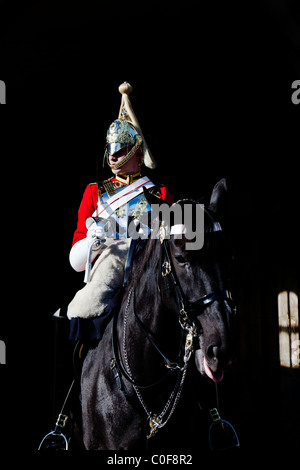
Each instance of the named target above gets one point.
<point>116,350</point>
<point>157,421</point>
<point>186,309</point>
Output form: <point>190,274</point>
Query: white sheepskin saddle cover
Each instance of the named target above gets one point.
<point>106,277</point>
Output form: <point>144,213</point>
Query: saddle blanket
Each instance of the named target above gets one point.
<point>105,280</point>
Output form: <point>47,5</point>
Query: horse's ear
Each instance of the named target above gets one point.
<point>218,198</point>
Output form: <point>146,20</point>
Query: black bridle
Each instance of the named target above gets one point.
<point>186,315</point>
<point>189,308</point>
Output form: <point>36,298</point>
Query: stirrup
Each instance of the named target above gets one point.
<point>56,439</point>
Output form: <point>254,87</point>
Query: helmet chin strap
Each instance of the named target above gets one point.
<point>129,155</point>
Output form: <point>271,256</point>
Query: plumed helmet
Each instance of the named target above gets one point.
<point>126,132</point>
<point>120,134</point>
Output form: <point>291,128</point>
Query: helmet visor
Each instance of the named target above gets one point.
<point>114,147</point>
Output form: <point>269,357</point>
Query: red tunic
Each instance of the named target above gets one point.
<point>89,205</point>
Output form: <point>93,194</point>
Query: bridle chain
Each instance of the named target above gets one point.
<point>155,421</point>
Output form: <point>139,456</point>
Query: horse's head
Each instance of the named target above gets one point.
<point>202,275</point>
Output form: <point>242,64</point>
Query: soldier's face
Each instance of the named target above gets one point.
<point>118,156</point>
<point>131,167</point>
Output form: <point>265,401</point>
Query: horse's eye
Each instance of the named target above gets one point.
<point>180,259</point>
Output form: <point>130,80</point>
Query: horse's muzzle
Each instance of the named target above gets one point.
<point>211,367</point>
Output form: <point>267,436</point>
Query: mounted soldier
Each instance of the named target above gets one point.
<point>186,309</point>
<point>108,212</point>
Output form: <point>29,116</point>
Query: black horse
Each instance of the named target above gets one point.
<point>136,381</point>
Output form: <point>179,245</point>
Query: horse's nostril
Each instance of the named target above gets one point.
<point>218,357</point>
<point>212,351</point>
<point>216,351</point>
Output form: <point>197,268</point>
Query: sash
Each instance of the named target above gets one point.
<point>122,197</point>
<point>114,202</point>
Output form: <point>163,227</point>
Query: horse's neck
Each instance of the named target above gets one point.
<point>148,302</point>
<point>154,321</point>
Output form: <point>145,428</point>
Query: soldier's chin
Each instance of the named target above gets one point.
<point>117,171</point>
<point>204,369</point>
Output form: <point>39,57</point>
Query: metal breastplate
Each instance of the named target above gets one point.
<point>136,210</point>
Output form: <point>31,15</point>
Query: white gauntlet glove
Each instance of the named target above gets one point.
<point>95,232</point>
<point>83,248</point>
<point>85,251</point>
<point>95,235</point>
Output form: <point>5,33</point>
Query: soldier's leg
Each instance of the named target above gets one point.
<point>106,278</point>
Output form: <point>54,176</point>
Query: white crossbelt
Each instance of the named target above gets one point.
<point>113,203</point>
<point>122,197</point>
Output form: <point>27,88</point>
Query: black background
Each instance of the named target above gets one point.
<point>212,92</point>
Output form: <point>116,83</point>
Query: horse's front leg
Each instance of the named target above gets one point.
<point>109,420</point>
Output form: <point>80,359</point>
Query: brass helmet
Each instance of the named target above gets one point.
<point>120,134</point>
<point>126,132</point>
